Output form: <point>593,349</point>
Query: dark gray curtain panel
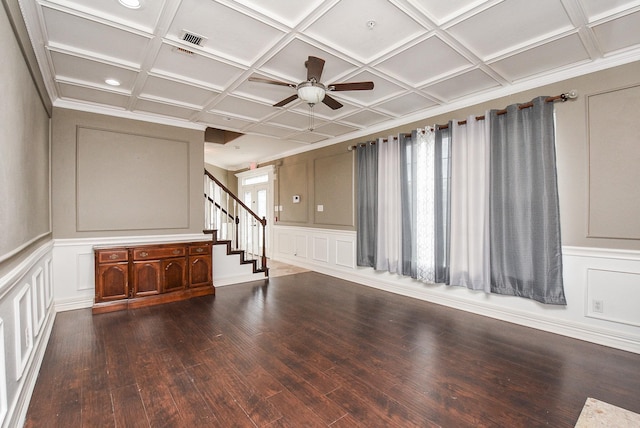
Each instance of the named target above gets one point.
<point>526,252</point>
<point>408,181</point>
<point>442,173</point>
<point>367,203</point>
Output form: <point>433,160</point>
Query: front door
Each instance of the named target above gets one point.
<point>255,197</point>
<point>255,190</point>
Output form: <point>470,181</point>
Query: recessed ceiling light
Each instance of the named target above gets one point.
<point>131,4</point>
<point>112,82</point>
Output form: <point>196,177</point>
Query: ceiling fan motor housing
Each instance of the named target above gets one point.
<point>311,92</point>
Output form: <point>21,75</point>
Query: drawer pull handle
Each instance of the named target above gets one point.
<point>143,254</point>
<point>176,251</point>
<point>113,256</point>
<point>199,250</point>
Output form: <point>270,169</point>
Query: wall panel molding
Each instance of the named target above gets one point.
<point>613,295</point>
<point>613,119</point>
<point>39,301</point>
<point>26,320</point>
<point>320,249</point>
<point>3,377</point>
<point>345,251</point>
<point>146,177</point>
<point>24,329</point>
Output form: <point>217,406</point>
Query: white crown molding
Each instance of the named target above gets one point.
<point>591,67</point>
<point>125,114</point>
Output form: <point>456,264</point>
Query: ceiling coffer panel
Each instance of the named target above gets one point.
<point>190,62</point>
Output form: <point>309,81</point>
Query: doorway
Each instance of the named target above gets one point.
<point>255,189</point>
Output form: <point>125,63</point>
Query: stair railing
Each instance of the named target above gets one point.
<point>231,221</point>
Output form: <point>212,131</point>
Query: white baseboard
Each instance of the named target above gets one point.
<point>73,304</point>
<point>223,282</point>
<point>601,336</point>
<point>328,252</point>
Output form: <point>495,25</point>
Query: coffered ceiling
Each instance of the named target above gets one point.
<point>424,57</point>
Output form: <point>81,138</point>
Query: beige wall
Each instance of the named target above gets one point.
<point>25,229</point>
<point>220,173</point>
<point>573,152</point>
<point>152,186</point>
<point>320,177</point>
<point>24,152</point>
<point>226,177</point>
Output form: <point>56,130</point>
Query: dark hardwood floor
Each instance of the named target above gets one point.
<point>309,350</point>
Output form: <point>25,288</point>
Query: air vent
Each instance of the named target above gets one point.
<point>192,38</point>
<point>183,51</point>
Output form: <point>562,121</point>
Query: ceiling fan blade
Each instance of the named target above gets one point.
<point>314,68</point>
<point>286,101</point>
<point>271,82</point>
<point>353,86</point>
<point>331,102</point>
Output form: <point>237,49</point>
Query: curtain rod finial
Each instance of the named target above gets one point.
<point>572,94</point>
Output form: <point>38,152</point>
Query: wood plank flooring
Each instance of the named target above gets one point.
<point>309,350</point>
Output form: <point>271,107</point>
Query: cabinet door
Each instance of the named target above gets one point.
<point>146,278</point>
<point>174,274</point>
<point>112,282</point>
<point>199,271</point>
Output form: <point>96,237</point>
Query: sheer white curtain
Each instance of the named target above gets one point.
<point>469,251</point>
<point>425,256</point>
<point>389,229</point>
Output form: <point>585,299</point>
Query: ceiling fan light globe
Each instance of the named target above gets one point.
<point>311,92</point>
<point>131,4</point>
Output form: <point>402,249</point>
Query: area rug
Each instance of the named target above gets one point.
<point>596,414</point>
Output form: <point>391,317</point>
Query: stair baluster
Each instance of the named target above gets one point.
<point>231,222</point>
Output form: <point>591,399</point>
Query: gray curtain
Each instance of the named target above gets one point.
<point>367,203</point>
<point>442,172</point>
<point>408,202</point>
<point>526,252</point>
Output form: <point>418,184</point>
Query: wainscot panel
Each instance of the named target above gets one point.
<point>26,319</point>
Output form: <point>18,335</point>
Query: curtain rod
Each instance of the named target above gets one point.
<point>562,97</point>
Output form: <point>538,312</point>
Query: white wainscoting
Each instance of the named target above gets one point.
<point>227,269</point>
<point>26,320</point>
<point>607,280</point>
<point>333,249</point>
<point>73,265</point>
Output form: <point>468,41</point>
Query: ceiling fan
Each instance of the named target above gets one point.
<point>311,91</point>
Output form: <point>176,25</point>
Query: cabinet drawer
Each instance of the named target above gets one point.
<point>157,253</point>
<point>110,256</point>
<point>196,250</point>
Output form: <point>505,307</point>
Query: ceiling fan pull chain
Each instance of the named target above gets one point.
<point>311,117</point>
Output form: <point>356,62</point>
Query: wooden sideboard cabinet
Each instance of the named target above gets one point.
<point>144,275</point>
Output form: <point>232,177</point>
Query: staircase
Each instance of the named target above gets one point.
<point>234,225</point>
